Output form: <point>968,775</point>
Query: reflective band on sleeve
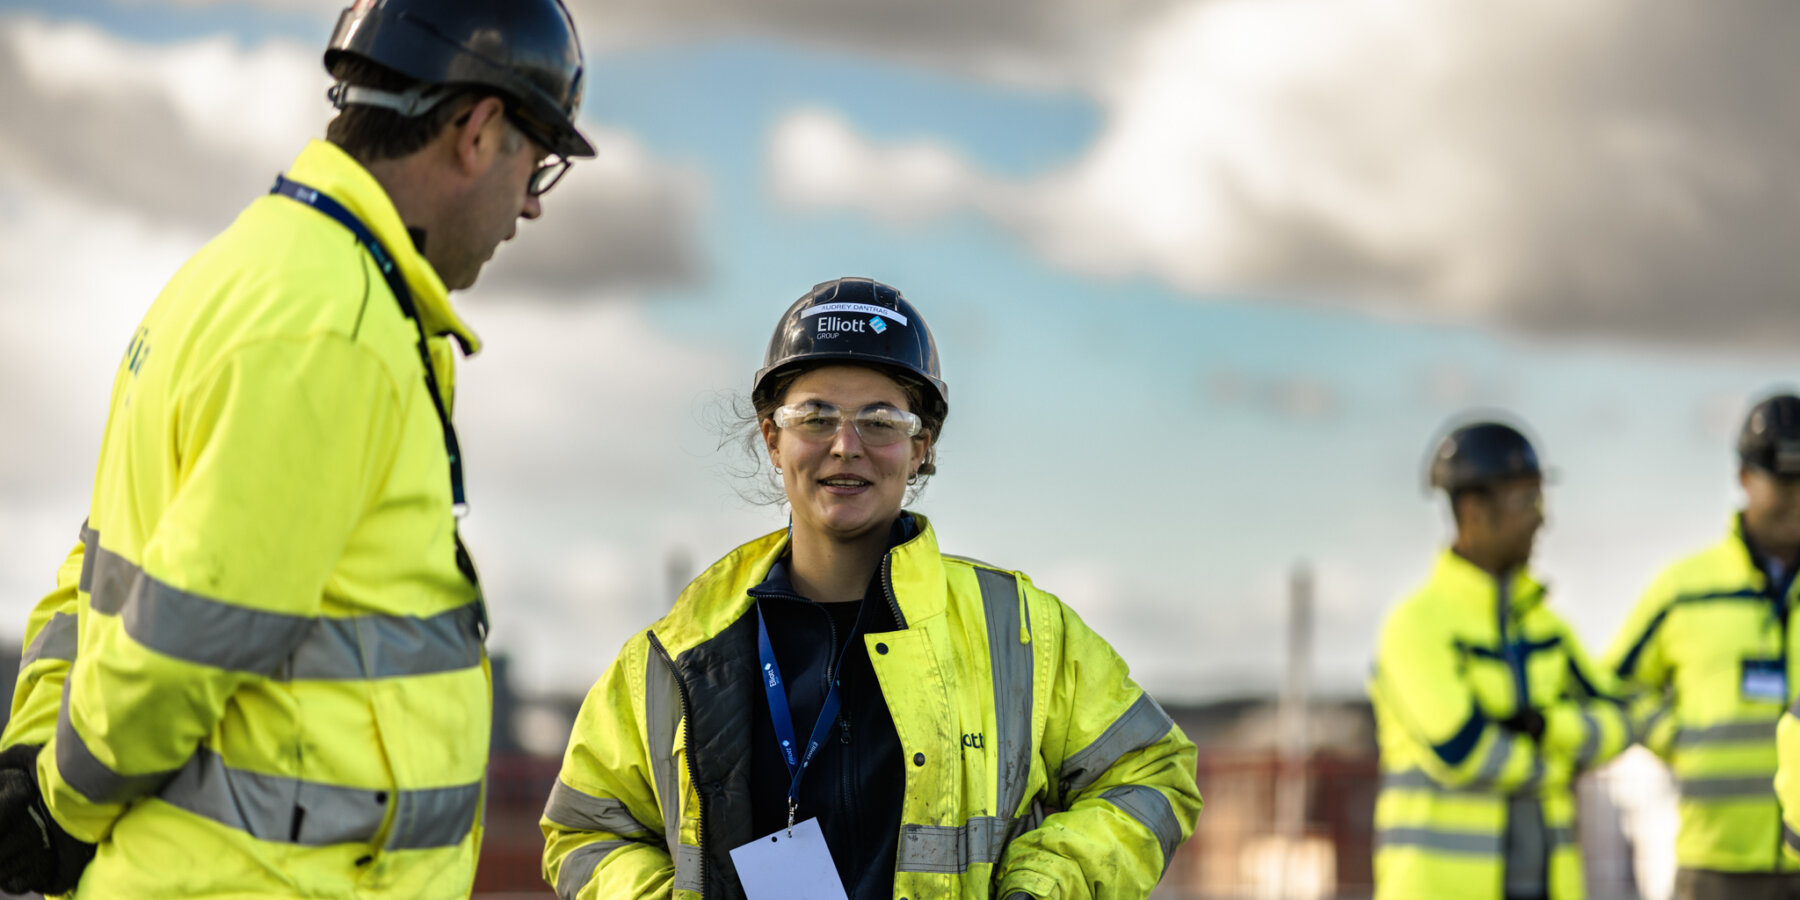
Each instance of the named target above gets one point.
<point>214,633</point>
<point>90,547</point>
<point>84,771</point>
<point>1560,836</point>
<point>1141,725</point>
<point>1731,788</point>
<point>1590,740</point>
<point>947,850</point>
<point>1439,841</point>
<point>1419,780</point>
<point>58,639</point>
<point>1494,763</point>
<point>579,864</point>
<point>582,811</point>
<point>292,811</point>
<point>1012,673</point>
<point>687,867</point>
<point>1148,805</point>
<point>1728,733</point>
<point>1792,839</point>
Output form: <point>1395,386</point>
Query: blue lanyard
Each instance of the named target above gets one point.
<point>294,190</point>
<point>784,720</point>
<point>384,261</point>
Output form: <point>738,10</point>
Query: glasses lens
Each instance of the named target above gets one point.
<point>881,427</point>
<point>548,173</point>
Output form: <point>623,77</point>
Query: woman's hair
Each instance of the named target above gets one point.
<point>743,425</point>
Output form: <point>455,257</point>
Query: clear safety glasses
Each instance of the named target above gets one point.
<point>877,426</point>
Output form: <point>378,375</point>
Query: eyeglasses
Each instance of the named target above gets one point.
<point>877,426</point>
<point>553,167</point>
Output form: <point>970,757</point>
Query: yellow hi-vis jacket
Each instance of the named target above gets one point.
<point>1706,649</point>
<point>1454,661</point>
<point>261,674</point>
<point>980,650</point>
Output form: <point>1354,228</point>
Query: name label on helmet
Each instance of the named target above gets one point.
<point>867,309</point>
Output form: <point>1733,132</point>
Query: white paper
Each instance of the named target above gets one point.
<point>778,867</point>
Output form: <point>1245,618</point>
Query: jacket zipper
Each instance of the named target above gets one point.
<point>693,775</point>
<point>887,587</point>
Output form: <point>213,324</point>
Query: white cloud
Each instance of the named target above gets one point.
<point>1601,168</point>
<point>186,134</point>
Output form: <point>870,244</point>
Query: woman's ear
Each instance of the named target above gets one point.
<point>770,434</point>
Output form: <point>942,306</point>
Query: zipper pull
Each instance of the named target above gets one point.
<point>844,727</point>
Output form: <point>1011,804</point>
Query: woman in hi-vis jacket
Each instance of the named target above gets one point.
<point>840,703</point>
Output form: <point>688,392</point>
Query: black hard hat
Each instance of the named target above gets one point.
<point>525,49</point>
<point>858,321</point>
<point>1482,454</point>
<point>1770,440</point>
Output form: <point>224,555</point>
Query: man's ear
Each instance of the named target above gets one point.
<point>475,135</point>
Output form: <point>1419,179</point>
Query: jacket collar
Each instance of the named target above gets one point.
<point>1457,577</point>
<point>326,168</point>
<point>722,594</point>
<point>1739,548</point>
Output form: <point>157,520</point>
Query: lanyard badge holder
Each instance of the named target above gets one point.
<point>384,261</point>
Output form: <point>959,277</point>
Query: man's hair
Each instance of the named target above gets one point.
<point>375,133</point>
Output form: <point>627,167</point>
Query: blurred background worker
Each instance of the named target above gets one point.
<point>262,671</point>
<point>1708,648</point>
<point>1485,704</point>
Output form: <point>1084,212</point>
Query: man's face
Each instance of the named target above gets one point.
<point>495,201</point>
<point>1505,521</point>
<point>1771,507</point>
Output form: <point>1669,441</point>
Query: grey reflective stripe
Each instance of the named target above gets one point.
<point>1590,740</point>
<point>376,646</point>
<point>90,546</point>
<point>579,864</point>
<point>293,811</point>
<point>1498,755</point>
<point>58,639</point>
<point>210,632</point>
<point>1761,787</point>
<point>687,867</point>
<point>84,771</point>
<point>1792,839</point>
<point>1440,841</point>
<point>430,817</point>
<point>1148,805</point>
<point>1418,780</point>
<point>662,715</point>
<point>943,849</point>
<point>1011,661</point>
<point>582,811</point>
<point>1141,725</point>
<point>1730,732</point>
<point>1560,836</point>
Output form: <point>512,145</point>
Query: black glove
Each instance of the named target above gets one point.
<point>1527,721</point>
<point>35,853</point>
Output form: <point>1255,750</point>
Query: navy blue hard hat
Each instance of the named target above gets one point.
<point>524,49</point>
<point>858,321</point>
<point>1770,439</point>
<point>1482,454</point>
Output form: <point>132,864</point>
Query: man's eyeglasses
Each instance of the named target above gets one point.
<point>551,169</point>
<point>877,426</point>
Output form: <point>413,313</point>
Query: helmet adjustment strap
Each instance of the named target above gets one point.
<point>414,101</point>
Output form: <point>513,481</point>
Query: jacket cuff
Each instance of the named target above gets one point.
<point>1029,885</point>
<point>1564,730</point>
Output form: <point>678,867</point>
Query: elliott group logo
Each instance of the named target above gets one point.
<point>879,319</point>
<point>769,670</point>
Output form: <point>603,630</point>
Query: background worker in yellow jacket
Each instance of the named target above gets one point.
<point>1485,704</point>
<point>1710,649</point>
<point>922,725</point>
<point>261,673</point>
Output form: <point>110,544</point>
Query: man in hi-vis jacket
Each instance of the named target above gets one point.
<point>1486,706</point>
<point>261,672</point>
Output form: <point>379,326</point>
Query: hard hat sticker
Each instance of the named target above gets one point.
<point>876,323</point>
<point>868,309</point>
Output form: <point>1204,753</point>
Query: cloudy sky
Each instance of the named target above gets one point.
<point>1208,277</point>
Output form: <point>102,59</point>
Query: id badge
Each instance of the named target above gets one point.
<point>1764,681</point>
<point>778,867</point>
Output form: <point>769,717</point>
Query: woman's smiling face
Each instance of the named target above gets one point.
<point>839,487</point>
